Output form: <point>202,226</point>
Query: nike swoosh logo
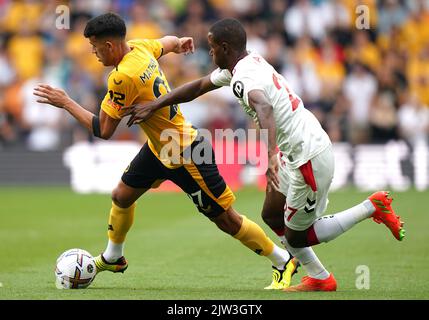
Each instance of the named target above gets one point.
<point>117,82</point>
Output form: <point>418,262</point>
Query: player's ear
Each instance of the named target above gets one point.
<point>109,45</point>
<point>225,47</point>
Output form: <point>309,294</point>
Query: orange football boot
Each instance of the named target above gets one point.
<point>312,284</point>
<point>384,213</point>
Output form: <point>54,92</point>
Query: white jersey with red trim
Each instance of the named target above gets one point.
<point>300,136</point>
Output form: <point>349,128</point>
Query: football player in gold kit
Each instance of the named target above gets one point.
<point>137,78</point>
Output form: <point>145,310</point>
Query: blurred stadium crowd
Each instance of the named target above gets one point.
<point>364,85</point>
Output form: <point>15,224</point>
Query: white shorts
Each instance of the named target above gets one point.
<point>306,189</point>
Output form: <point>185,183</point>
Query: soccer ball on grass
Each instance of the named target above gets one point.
<point>75,269</point>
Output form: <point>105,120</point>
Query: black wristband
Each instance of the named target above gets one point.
<point>96,126</point>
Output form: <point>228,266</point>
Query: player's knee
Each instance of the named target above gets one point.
<point>266,217</point>
<point>296,239</point>
<point>120,199</point>
<point>272,220</point>
<point>273,210</point>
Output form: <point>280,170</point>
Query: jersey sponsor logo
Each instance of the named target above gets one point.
<point>116,99</point>
<point>238,89</point>
<point>114,105</point>
<point>147,74</point>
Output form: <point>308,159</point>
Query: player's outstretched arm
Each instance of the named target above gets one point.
<point>101,126</point>
<point>177,45</point>
<point>264,110</point>
<point>184,93</point>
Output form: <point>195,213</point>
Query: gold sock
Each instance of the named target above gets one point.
<point>253,237</point>
<point>120,221</point>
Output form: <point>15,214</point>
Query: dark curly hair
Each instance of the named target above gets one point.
<point>106,25</point>
<point>230,31</point>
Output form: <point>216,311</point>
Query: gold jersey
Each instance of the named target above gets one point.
<point>138,79</point>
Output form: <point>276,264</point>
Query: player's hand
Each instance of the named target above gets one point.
<point>138,113</point>
<point>186,45</point>
<point>272,173</point>
<point>52,96</point>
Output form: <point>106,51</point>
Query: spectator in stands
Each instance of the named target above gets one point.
<point>415,30</point>
<point>142,25</point>
<point>330,71</point>
<point>44,123</point>
<point>302,77</point>
<point>364,51</point>
<point>413,117</point>
<point>25,50</point>
<point>360,87</point>
<point>418,75</point>
<point>391,15</point>
<point>19,13</point>
<point>383,118</point>
<point>305,18</point>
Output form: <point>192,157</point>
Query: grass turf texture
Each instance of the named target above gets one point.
<point>175,253</point>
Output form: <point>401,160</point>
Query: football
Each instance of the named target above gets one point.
<point>75,269</point>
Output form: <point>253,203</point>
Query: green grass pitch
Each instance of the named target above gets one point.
<point>175,253</point>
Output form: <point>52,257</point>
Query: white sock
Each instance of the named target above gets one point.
<point>279,257</point>
<point>113,251</point>
<point>329,227</point>
<point>309,261</point>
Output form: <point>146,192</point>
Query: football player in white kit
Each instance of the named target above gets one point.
<point>300,174</point>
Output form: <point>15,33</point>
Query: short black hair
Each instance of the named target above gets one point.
<point>230,31</point>
<point>106,25</point>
